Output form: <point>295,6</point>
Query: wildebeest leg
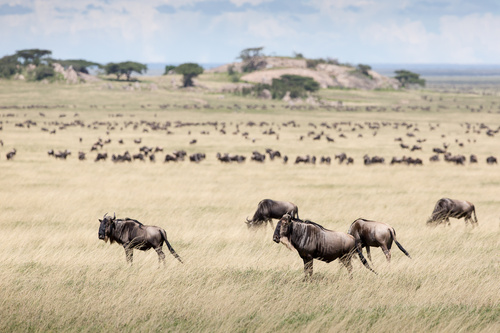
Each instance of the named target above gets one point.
<point>308,266</point>
<point>368,254</point>
<point>346,260</point>
<point>129,253</point>
<point>272,224</point>
<point>387,252</point>
<point>447,220</point>
<point>161,255</point>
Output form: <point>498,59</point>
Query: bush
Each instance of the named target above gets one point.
<point>312,63</point>
<point>8,66</point>
<point>44,72</point>
<point>297,85</point>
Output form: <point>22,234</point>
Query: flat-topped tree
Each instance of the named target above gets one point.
<point>407,78</point>
<point>32,56</point>
<point>189,71</point>
<point>125,68</point>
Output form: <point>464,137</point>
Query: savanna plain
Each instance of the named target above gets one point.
<point>56,275</point>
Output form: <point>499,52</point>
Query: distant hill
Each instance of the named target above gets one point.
<point>327,75</point>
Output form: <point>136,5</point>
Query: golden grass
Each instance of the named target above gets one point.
<point>56,275</point>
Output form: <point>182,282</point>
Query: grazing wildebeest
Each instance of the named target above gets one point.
<point>491,160</point>
<point>446,208</point>
<point>434,158</point>
<point>312,241</point>
<point>132,234</point>
<point>368,233</point>
<point>269,209</point>
<point>341,157</point>
<point>10,155</point>
<point>101,156</point>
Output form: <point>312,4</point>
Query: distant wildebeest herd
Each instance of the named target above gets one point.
<point>309,239</point>
<point>332,133</point>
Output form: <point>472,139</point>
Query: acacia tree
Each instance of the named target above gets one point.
<point>252,59</point>
<point>406,78</point>
<point>189,71</point>
<point>32,56</point>
<point>364,69</point>
<point>125,68</point>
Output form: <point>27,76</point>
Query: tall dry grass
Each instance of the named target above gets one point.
<point>56,275</point>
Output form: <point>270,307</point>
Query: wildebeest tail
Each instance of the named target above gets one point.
<point>393,234</point>
<point>363,260</point>
<point>170,248</point>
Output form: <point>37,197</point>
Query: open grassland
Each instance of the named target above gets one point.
<point>56,275</point>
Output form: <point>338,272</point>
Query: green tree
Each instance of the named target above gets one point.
<point>9,65</point>
<point>169,68</point>
<point>32,56</point>
<point>125,68</point>
<point>189,71</point>
<point>364,69</point>
<point>44,72</point>
<point>252,59</point>
<point>407,78</point>
<point>297,85</point>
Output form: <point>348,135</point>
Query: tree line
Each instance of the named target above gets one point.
<point>37,64</point>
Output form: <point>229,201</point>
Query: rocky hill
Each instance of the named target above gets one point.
<point>327,75</point>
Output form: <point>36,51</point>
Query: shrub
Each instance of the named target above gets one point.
<point>44,72</point>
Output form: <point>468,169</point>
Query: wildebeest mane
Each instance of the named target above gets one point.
<point>309,222</point>
<point>129,219</point>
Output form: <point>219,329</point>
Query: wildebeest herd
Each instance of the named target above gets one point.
<point>309,239</point>
<point>332,133</point>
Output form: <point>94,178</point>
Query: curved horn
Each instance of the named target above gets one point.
<point>104,216</point>
<point>249,221</point>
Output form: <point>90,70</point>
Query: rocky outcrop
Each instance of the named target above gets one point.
<point>326,75</point>
<point>71,76</point>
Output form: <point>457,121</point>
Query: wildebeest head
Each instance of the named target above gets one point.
<point>106,227</point>
<point>282,231</point>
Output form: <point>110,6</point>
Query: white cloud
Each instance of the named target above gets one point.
<point>470,36</point>
<point>240,3</point>
<point>352,30</point>
<point>469,39</point>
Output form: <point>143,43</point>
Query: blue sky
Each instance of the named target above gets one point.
<point>215,31</point>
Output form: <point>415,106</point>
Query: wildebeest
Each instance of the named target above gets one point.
<point>269,209</point>
<point>446,208</point>
<point>132,234</point>
<point>10,155</point>
<point>101,156</point>
<point>368,233</point>
<point>491,160</point>
<point>312,241</point>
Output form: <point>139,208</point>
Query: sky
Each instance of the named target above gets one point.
<point>216,31</point>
